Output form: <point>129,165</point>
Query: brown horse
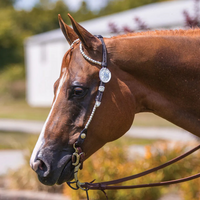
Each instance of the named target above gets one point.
<point>156,71</point>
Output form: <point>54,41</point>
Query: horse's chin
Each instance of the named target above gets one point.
<point>67,174</point>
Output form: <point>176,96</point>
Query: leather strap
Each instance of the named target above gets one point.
<point>80,140</point>
<point>107,185</point>
<point>104,59</point>
<point>99,96</point>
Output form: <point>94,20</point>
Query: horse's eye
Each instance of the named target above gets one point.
<point>79,92</point>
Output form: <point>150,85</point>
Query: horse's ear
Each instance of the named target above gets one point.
<point>88,40</point>
<point>68,32</point>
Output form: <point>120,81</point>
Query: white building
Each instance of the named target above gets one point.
<point>44,52</point>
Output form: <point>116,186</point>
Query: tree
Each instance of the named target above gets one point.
<point>190,21</point>
<point>11,38</point>
<point>193,21</point>
<point>7,3</point>
<point>17,25</point>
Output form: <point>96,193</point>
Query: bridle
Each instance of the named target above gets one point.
<point>78,155</point>
<point>105,76</point>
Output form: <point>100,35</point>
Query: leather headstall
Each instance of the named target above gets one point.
<point>105,76</point>
<point>101,89</point>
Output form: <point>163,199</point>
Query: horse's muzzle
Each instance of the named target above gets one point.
<point>53,168</point>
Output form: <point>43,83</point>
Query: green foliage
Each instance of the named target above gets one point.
<point>19,109</point>
<point>191,189</point>
<point>11,38</point>
<point>112,162</point>
<point>12,83</point>
<point>187,167</point>
<point>13,73</point>
<point>40,18</point>
<point>17,25</point>
<point>7,3</point>
<point>15,140</point>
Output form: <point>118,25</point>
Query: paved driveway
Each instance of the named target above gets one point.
<point>10,159</point>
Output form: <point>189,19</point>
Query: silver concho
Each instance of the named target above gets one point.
<point>105,75</point>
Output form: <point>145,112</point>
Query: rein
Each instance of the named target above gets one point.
<point>106,185</point>
<point>78,155</point>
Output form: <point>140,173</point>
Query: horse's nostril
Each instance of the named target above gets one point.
<point>41,165</point>
<point>36,164</point>
<point>41,168</point>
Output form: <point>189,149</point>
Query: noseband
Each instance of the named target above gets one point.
<point>78,155</point>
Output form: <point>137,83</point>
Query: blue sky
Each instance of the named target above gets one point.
<point>72,4</point>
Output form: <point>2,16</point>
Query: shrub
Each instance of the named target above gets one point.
<point>12,82</point>
<point>111,162</point>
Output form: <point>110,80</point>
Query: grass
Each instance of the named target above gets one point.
<point>128,141</point>
<point>13,140</point>
<point>21,110</point>
<point>151,120</point>
<point>16,140</point>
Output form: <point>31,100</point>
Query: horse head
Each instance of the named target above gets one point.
<point>74,100</point>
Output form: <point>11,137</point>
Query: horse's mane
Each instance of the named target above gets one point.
<point>190,32</point>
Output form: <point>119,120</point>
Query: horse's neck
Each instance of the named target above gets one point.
<point>165,76</point>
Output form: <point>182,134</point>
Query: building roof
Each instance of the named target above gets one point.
<point>167,14</point>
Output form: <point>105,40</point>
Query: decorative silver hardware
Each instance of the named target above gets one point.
<point>73,43</point>
<point>92,114</point>
<point>98,103</point>
<point>105,75</point>
<point>101,88</point>
<point>88,58</point>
